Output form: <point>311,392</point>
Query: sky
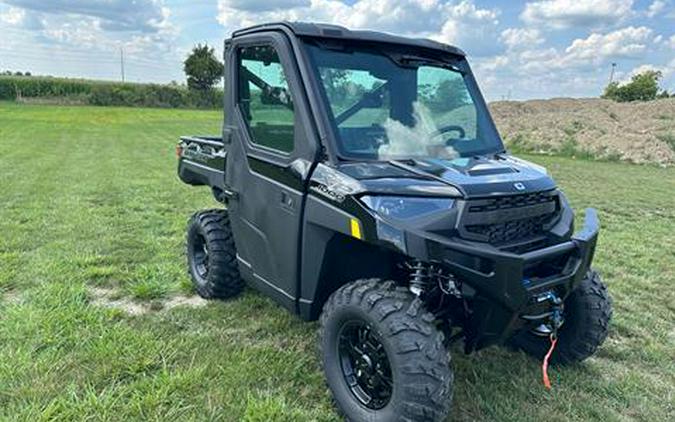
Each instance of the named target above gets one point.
<point>518,50</point>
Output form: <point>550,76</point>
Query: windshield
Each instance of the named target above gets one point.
<point>388,105</point>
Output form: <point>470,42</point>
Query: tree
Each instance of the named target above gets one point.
<point>642,87</point>
<point>446,95</point>
<point>202,68</point>
<point>664,94</point>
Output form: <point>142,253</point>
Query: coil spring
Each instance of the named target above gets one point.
<point>424,275</point>
<point>419,277</point>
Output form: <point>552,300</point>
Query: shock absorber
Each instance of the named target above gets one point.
<point>419,277</point>
<point>426,276</point>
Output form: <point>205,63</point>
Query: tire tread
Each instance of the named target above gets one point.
<point>409,327</point>
<point>223,280</point>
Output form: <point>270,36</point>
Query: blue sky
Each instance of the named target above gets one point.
<point>519,50</point>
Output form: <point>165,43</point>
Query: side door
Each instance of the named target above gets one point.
<point>271,148</point>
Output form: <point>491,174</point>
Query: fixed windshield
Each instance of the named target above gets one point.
<point>390,104</point>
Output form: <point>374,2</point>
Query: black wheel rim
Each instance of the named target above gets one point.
<point>200,257</point>
<point>365,364</point>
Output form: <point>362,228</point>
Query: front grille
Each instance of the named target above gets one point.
<point>514,201</point>
<point>510,219</point>
<point>511,231</point>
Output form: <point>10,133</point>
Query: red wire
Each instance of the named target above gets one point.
<point>544,365</point>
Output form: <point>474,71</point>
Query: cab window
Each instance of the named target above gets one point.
<point>264,98</point>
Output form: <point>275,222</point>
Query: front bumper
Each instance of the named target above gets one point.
<point>505,283</point>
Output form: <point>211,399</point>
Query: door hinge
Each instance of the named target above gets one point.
<point>228,131</point>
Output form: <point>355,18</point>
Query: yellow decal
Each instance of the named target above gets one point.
<point>356,228</point>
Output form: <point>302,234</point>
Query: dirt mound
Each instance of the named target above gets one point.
<point>641,132</point>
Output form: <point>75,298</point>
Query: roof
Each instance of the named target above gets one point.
<point>320,30</point>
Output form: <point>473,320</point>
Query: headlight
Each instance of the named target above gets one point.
<point>404,207</point>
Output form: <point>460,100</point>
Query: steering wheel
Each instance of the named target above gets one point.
<point>451,128</point>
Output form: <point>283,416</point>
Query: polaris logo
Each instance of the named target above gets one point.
<point>519,186</point>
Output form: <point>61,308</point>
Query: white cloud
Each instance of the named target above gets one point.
<point>265,5</point>
<point>83,39</point>
<point>95,25</point>
<point>671,42</point>
<point>521,38</point>
<point>583,55</point>
<point>492,63</point>
<point>666,70</point>
<point>21,18</point>
<point>470,27</point>
<point>540,61</point>
<point>561,14</point>
<point>643,68</point>
<point>630,42</point>
<point>113,15</point>
<point>580,69</point>
<point>656,8</point>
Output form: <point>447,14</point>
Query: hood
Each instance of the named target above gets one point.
<point>473,177</point>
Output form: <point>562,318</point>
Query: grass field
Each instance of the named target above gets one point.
<point>92,214</point>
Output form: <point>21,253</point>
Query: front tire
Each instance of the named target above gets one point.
<point>211,255</point>
<point>588,311</point>
<point>382,355</point>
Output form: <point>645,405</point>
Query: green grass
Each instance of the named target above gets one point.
<point>668,138</point>
<point>523,144</point>
<point>89,200</point>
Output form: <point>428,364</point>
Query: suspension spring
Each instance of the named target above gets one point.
<point>426,276</point>
<point>419,277</point>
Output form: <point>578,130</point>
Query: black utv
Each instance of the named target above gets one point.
<point>364,183</point>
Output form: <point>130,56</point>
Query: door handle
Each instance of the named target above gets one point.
<point>286,200</point>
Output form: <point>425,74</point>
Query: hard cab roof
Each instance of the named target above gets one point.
<point>320,30</point>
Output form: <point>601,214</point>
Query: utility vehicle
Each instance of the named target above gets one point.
<point>364,184</point>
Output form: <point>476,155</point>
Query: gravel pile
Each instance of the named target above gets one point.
<point>641,132</point>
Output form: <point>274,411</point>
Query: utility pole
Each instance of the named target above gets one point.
<point>611,73</point>
<point>122,62</point>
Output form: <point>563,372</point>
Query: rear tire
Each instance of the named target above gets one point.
<point>588,311</point>
<point>211,255</point>
<point>378,342</point>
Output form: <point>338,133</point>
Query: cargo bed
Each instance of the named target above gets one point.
<point>201,161</point>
